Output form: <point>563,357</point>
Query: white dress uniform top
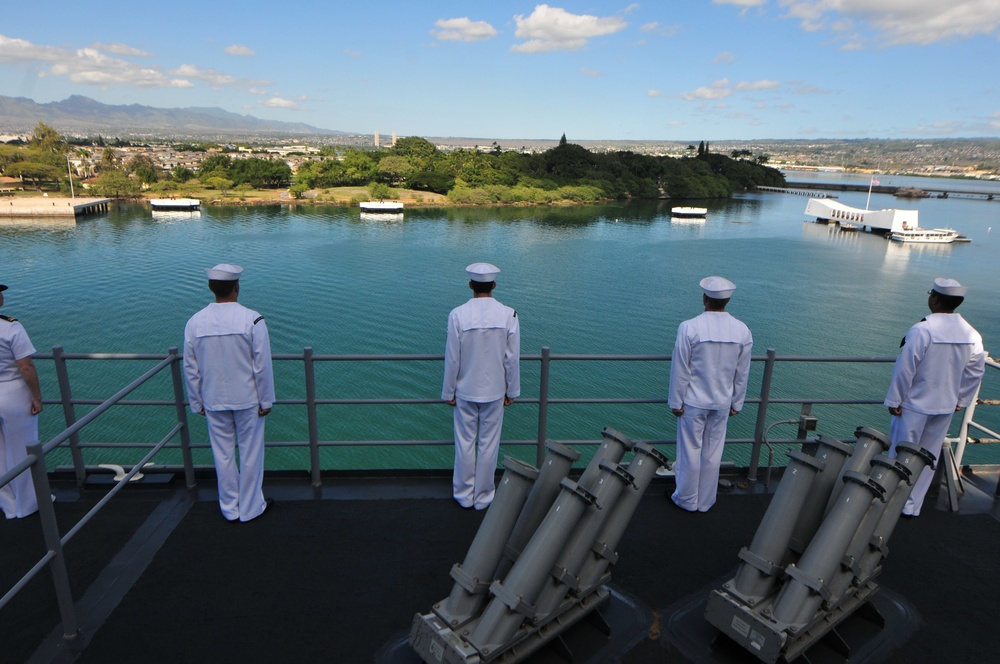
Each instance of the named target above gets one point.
<point>18,426</point>
<point>709,370</point>
<point>227,368</point>
<point>481,368</point>
<point>939,368</point>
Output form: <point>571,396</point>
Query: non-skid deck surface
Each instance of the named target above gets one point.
<point>337,576</point>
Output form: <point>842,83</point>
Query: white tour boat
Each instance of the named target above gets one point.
<point>924,235</point>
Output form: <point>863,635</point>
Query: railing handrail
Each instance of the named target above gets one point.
<point>172,360</point>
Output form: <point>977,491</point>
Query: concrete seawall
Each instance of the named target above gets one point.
<point>52,207</point>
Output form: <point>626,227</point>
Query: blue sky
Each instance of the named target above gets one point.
<point>682,70</point>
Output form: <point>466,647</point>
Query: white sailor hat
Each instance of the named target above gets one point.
<point>224,272</point>
<point>717,288</point>
<point>949,287</point>
<point>484,272</point>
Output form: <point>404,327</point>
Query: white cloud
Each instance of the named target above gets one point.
<point>463,29</point>
<point>718,90</point>
<point>722,89</point>
<point>741,3</point>
<point>555,29</point>
<point>208,75</point>
<point>257,91</point>
<point>757,85</point>
<point>655,28</point>
<point>724,58</point>
<point>653,93</point>
<point>920,22</point>
<point>590,72</point>
<point>13,51</point>
<point>93,66</point>
<point>122,49</point>
<point>237,49</point>
<point>89,66</point>
<point>353,54</point>
<point>279,102</point>
<point>808,89</point>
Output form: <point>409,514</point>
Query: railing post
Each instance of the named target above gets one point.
<point>310,368</point>
<point>177,377</point>
<point>963,429</point>
<point>50,531</point>
<point>543,406</point>
<point>758,433</point>
<point>69,413</point>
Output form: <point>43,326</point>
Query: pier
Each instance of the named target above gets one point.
<point>52,207</point>
<point>937,192</point>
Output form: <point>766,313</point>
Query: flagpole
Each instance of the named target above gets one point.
<point>872,182</point>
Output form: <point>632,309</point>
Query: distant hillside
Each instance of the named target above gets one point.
<point>82,115</point>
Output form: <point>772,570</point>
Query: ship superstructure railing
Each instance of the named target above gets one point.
<point>178,434</point>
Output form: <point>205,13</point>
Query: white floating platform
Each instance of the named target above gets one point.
<point>159,204</point>
<point>688,212</point>
<point>381,206</point>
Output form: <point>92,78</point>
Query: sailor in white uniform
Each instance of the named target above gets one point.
<point>481,377</point>
<point>227,369</point>
<point>20,404</point>
<point>937,373</point>
<point>709,369</point>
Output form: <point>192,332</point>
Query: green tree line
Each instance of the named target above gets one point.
<point>566,172</point>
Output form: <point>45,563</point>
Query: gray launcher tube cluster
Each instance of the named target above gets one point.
<point>819,546</point>
<point>542,559</point>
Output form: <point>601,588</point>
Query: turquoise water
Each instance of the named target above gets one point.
<point>610,279</point>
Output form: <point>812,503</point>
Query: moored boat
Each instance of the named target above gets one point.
<point>185,204</point>
<point>381,206</point>
<point>688,212</point>
<point>924,235</point>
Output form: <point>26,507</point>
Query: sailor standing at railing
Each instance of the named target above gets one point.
<point>481,377</point>
<point>938,371</point>
<point>709,369</point>
<point>20,404</point>
<point>227,369</point>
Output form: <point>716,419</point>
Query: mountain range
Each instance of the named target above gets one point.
<point>84,116</point>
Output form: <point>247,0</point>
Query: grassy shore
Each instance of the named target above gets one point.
<point>341,196</point>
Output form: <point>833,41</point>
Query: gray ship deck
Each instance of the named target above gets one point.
<point>336,574</point>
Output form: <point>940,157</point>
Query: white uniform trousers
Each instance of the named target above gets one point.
<point>701,435</point>
<point>240,487</point>
<point>18,427</point>
<point>473,481</point>
<point>927,431</point>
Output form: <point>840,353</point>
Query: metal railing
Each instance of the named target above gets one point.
<point>35,461</point>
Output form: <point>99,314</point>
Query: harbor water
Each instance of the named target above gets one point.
<point>607,279</point>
